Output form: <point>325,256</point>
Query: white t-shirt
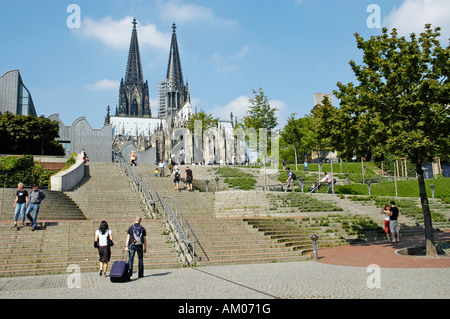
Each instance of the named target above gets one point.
<point>102,238</point>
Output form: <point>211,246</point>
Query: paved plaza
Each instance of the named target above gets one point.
<point>308,279</point>
<point>366,271</point>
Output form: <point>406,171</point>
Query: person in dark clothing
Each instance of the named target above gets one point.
<point>20,204</point>
<point>136,243</point>
<point>33,203</point>
<point>189,178</point>
<point>393,224</point>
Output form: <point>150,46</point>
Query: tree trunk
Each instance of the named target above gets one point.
<point>429,233</point>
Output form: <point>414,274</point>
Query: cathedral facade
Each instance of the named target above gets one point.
<point>166,135</point>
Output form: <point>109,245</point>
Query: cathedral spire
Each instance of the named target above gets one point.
<point>134,66</point>
<point>176,89</point>
<point>134,99</point>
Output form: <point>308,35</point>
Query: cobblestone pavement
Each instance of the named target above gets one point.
<point>307,279</point>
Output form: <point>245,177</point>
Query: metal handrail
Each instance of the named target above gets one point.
<point>137,184</point>
<point>178,218</point>
<point>173,214</point>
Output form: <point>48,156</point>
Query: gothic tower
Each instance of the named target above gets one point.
<point>173,92</point>
<point>134,98</point>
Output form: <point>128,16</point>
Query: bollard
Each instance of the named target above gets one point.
<point>301,182</point>
<point>217,183</point>
<point>207,185</point>
<point>432,190</point>
<point>314,239</point>
<point>346,178</point>
<point>369,183</point>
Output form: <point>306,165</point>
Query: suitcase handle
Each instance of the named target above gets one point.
<point>127,254</point>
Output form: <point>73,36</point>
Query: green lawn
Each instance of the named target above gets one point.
<point>408,188</point>
<point>404,189</point>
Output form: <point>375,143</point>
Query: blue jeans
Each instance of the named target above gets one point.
<point>140,252</point>
<point>34,207</point>
<point>20,208</point>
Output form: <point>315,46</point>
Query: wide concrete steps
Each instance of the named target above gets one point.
<point>106,194</point>
<point>224,240</point>
<point>56,205</point>
<point>53,247</point>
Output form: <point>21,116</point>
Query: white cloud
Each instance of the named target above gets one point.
<point>178,11</point>
<point>412,15</point>
<point>117,33</point>
<point>104,85</point>
<point>227,64</point>
<point>240,106</point>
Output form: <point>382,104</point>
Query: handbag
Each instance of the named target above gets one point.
<point>109,242</point>
<point>95,244</point>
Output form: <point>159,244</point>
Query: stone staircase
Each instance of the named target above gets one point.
<point>408,225</point>
<point>56,245</point>
<point>233,227</point>
<point>61,239</point>
<point>225,240</point>
<point>55,206</point>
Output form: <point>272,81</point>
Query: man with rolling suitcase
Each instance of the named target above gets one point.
<point>136,243</point>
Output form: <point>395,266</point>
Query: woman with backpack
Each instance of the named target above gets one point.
<point>103,238</point>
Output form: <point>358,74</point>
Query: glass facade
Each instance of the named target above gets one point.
<point>14,96</point>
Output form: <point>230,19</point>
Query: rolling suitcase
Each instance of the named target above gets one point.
<point>119,271</point>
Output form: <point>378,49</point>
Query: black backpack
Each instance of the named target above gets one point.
<point>137,233</point>
<point>293,176</point>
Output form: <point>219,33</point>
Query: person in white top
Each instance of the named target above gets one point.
<point>104,250</point>
<point>387,217</point>
<point>327,179</point>
<point>161,168</point>
<point>133,158</point>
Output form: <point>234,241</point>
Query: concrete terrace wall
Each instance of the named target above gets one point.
<point>96,143</point>
<point>69,178</point>
<point>148,157</point>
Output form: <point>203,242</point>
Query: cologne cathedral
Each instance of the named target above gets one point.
<point>134,127</point>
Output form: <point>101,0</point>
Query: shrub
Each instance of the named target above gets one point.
<point>15,169</point>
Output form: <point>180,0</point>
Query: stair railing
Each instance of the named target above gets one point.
<point>138,185</point>
<point>181,230</point>
<point>173,215</point>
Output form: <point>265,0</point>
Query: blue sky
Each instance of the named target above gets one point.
<point>290,48</point>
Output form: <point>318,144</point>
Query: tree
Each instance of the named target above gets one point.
<point>299,134</point>
<point>400,107</point>
<point>325,128</point>
<point>20,134</point>
<point>260,116</point>
<point>208,121</point>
